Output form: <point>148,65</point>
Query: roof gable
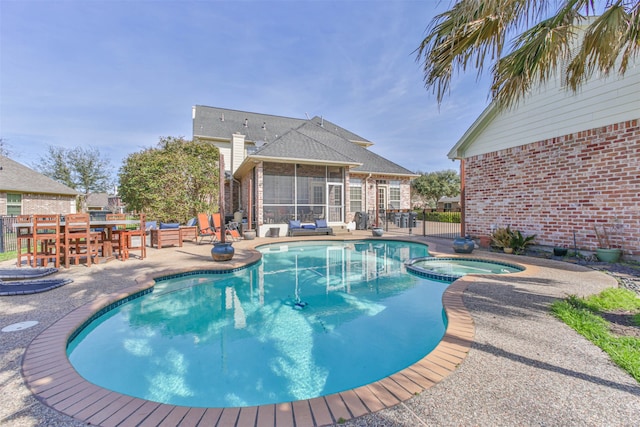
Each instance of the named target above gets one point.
<point>15,177</point>
<point>297,145</point>
<point>313,142</point>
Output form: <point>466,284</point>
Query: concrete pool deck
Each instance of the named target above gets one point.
<point>523,366</point>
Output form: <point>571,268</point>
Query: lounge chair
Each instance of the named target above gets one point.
<point>205,230</point>
<point>231,233</point>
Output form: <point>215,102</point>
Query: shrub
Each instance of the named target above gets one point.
<point>452,217</point>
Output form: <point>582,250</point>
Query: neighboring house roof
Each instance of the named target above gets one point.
<point>284,139</point>
<point>15,177</point>
<point>99,200</point>
<point>446,199</point>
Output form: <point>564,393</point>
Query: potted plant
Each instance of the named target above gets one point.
<point>604,251</point>
<point>463,245</point>
<point>377,231</point>
<point>511,241</point>
<point>501,238</point>
<point>558,251</point>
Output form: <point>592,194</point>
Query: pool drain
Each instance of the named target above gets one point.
<point>19,326</point>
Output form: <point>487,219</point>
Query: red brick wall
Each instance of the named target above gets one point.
<point>559,186</point>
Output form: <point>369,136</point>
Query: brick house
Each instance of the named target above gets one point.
<point>558,164</point>
<point>286,168</point>
<point>448,204</point>
<point>24,191</point>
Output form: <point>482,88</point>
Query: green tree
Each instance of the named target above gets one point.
<point>473,33</point>
<point>173,181</point>
<point>82,169</point>
<point>430,187</point>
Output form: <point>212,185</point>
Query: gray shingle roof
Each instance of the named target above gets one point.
<point>15,177</point>
<point>306,148</point>
<point>314,139</point>
<point>100,200</point>
<point>222,122</point>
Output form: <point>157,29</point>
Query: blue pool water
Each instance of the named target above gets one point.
<point>310,319</point>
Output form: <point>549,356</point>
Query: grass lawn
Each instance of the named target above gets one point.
<point>610,320</point>
<point>8,255</point>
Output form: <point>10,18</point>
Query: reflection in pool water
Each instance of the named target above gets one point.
<point>311,319</point>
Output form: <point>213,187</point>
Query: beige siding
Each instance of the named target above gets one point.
<point>555,112</point>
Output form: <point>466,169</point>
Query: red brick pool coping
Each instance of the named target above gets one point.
<point>53,380</point>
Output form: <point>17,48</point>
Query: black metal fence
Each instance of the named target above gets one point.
<point>425,223</point>
<point>8,242</point>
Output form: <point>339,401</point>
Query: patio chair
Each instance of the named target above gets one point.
<point>136,240</point>
<point>205,230</point>
<point>24,239</point>
<point>232,234</point>
<point>114,234</point>
<point>79,241</point>
<point>46,239</point>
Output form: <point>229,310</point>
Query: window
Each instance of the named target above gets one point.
<point>355,195</point>
<point>394,194</point>
<point>14,204</point>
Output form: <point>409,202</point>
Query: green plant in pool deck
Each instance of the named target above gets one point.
<point>584,315</point>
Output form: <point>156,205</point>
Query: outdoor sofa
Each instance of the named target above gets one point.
<point>319,228</point>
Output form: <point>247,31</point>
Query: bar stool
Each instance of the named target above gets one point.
<point>140,234</point>
<point>46,239</point>
<point>114,234</point>
<point>79,242</point>
<point>24,236</point>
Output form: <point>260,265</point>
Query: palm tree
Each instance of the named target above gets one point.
<point>474,33</point>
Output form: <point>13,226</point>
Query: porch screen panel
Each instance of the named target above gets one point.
<point>310,192</point>
<point>335,174</point>
<point>278,192</point>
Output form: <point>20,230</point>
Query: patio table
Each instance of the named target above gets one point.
<point>107,250</point>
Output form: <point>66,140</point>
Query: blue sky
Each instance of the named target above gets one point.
<point>118,75</point>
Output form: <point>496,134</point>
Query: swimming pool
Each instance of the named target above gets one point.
<point>309,320</point>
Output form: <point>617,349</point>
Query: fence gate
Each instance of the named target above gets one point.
<point>8,242</point>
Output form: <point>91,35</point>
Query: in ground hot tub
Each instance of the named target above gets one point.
<point>451,268</point>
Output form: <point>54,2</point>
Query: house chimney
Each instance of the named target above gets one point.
<point>246,122</point>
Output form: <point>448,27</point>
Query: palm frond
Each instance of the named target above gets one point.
<point>471,33</point>
<point>536,55</point>
<point>604,42</point>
